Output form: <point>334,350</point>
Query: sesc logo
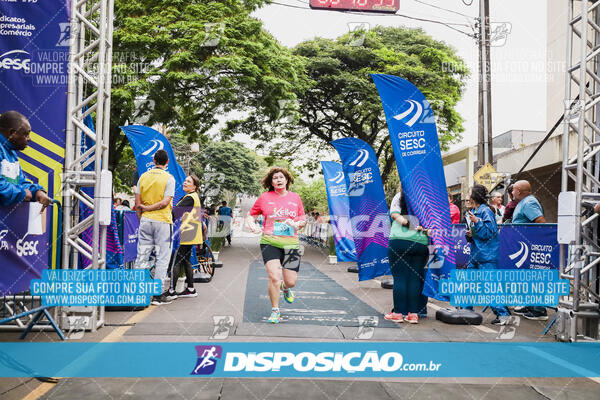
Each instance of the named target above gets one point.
<point>415,110</point>
<point>15,60</point>
<point>3,243</point>
<point>339,178</point>
<point>207,359</point>
<point>156,145</point>
<point>361,159</point>
<point>523,252</point>
<point>27,247</point>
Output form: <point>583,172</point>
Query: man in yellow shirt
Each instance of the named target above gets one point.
<point>153,205</point>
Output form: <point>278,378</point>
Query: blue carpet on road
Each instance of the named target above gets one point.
<point>319,300</point>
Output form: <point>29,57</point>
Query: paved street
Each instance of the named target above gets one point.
<point>329,303</point>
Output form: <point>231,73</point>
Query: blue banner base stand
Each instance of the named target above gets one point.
<point>353,269</point>
<point>41,311</point>
<point>387,283</point>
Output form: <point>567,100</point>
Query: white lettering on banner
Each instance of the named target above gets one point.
<point>338,190</point>
<point>3,243</point>
<point>27,247</point>
<point>6,18</point>
<point>412,143</point>
<point>9,60</point>
<point>320,362</point>
<point>15,26</point>
<point>368,264</point>
<point>541,247</point>
<point>361,177</point>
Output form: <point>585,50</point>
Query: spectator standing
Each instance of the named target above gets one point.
<point>191,235</point>
<point>225,220</point>
<point>485,243</point>
<point>124,206</point>
<point>528,211</point>
<point>497,200</point>
<point>14,187</point>
<point>454,211</point>
<point>408,254</point>
<point>154,205</point>
<point>510,207</point>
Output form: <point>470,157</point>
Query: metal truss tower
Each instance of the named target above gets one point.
<point>579,313</point>
<point>88,95</point>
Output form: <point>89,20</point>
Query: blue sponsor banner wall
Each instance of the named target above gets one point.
<point>34,51</point>
<point>462,248</point>
<point>23,248</point>
<point>369,212</point>
<point>131,225</point>
<point>528,246</point>
<point>339,210</point>
<point>413,133</point>
<point>145,142</point>
<point>303,360</point>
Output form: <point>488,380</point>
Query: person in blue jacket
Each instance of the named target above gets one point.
<point>485,242</point>
<point>14,187</point>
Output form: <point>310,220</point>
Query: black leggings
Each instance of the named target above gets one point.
<point>407,262</point>
<point>183,256</point>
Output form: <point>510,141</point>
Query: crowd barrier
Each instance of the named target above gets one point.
<point>128,224</point>
<point>316,234</point>
<point>523,246</point>
<point>26,248</point>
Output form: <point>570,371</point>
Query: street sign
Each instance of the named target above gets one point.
<point>488,177</point>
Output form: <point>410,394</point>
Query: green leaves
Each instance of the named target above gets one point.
<point>194,60</point>
<point>338,99</point>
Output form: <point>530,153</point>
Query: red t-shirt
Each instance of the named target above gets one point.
<point>275,210</point>
<point>454,214</point>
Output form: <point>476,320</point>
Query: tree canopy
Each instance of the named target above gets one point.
<point>339,99</point>
<point>224,168</point>
<point>192,61</point>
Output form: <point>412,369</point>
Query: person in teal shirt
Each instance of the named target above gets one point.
<point>528,211</point>
<point>407,254</point>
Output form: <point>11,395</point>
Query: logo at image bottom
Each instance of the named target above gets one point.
<point>207,359</point>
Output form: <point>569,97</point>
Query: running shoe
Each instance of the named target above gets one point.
<point>394,317</point>
<point>160,300</point>
<point>170,296</point>
<point>288,295</point>
<point>501,320</point>
<point>188,293</point>
<point>275,317</point>
<point>412,318</point>
<point>520,310</point>
<point>536,316</point>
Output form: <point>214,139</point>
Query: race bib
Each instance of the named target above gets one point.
<point>281,229</point>
<point>10,171</point>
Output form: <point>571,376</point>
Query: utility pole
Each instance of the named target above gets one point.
<point>484,146</point>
